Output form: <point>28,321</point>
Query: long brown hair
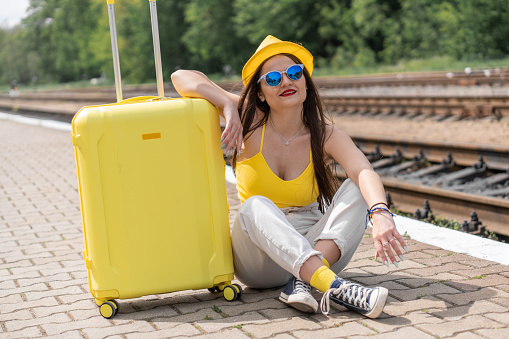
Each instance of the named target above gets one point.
<point>313,118</point>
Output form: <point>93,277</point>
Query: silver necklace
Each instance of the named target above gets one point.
<point>287,142</point>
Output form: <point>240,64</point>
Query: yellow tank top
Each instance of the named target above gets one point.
<point>254,177</point>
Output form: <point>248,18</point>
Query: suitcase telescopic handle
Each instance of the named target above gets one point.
<point>157,48</point>
<point>114,49</point>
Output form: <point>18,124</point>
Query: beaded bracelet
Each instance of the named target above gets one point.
<point>379,203</point>
<point>369,215</point>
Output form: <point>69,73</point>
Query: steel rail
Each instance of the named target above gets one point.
<point>465,154</point>
<point>490,77</point>
<point>440,107</point>
<point>458,206</point>
<point>493,212</point>
<point>409,196</point>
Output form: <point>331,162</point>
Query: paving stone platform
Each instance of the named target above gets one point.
<point>44,292</point>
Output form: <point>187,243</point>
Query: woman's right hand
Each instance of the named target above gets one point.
<point>195,84</point>
<point>231,138</point>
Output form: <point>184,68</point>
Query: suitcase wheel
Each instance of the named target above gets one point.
<point>214,289</point>
<point>109,309</point>
<point>116,306</point>
<point>232,292</point>
<point>239,290</point>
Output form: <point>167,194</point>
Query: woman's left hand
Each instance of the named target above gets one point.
<point>388,242</point>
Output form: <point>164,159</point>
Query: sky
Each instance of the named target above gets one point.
<point>12,11</point>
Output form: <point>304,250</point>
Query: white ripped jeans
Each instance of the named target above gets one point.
<point>271,244</point>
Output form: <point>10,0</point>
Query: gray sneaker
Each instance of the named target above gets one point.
<point>297,294</point>
<point>367,301</point>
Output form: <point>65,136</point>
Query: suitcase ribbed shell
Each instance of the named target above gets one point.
<point>153,197</point>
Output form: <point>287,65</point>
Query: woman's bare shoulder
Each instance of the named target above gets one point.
<point>256,124</point>
<point>337,142</point>
<point>334,133</point>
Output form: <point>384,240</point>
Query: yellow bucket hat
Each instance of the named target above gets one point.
<point>271,46</point>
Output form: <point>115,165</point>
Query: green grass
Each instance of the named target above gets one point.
<point>220,311</point>
<point>443,222</point>
<point>443,63</point>
<point>479,276</point>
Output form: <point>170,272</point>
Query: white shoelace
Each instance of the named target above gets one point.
<point>301,286</point>
<point>352,293</point>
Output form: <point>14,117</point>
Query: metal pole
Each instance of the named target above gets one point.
<point>157,48</point>
<point>114,50</point>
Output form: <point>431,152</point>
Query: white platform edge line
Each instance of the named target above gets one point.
<point>452,240</point>
<point>58,125</point>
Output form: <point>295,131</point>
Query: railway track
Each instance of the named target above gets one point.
<point>484,77</point>
<point>429,106</point>
<point>452,179</point>
<point>437,107</point>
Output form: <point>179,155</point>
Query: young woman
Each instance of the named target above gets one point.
<point>296,225</point>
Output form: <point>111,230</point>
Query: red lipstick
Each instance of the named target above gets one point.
<point>288,92</point>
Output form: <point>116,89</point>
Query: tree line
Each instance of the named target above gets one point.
<point>67,40</point>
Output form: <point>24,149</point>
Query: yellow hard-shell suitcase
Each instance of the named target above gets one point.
<point>153,198</point>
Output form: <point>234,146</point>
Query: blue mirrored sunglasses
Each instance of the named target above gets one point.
<point>273,78</point>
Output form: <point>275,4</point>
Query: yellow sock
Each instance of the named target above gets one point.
<point>325,262</point>
<point>322,278</point>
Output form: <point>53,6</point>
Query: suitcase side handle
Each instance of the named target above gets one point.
<point>156,43</point>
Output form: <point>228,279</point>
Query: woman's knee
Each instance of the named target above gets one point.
<point>256,210</point>
<point>255,203</point>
